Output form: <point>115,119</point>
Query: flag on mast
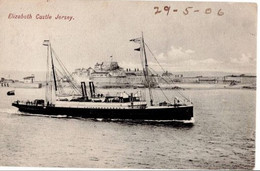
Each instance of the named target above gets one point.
<point>46,43</point>
<point>137,40</point>
<point>137,49</point>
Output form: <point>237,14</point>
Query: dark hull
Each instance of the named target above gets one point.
<point>167,113</point>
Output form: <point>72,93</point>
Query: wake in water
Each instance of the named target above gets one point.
<point>40,115</point>
<point>9,111</point>
<point>171,123</point>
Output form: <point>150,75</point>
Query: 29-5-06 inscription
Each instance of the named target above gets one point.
<point>40,16</point>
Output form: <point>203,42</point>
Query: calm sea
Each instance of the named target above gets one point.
<point>223,136</point>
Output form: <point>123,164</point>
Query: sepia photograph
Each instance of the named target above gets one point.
<point>118,84</point>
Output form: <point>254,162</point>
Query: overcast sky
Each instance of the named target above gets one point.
<point>192,42</point>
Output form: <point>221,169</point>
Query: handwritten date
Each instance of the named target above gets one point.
<point>187,11</point>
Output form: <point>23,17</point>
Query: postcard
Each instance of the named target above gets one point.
<point>128,84</point>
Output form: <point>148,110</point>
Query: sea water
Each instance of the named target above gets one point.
<point>222,137</point>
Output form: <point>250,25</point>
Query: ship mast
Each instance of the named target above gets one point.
<point>46,43</point>
<point>53,71</point>
<point>142,50</point>
<point>146,73</point>
<point>48,92</point>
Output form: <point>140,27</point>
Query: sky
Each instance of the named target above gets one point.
<point>100,29</point>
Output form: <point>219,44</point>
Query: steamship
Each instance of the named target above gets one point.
<point>89,104</point>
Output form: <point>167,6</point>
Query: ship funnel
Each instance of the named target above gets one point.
<point>84,91</point>
<point>92,88</point>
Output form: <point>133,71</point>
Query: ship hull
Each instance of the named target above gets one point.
<point>184,113</point>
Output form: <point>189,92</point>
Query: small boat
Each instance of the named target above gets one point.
<point>11,93</point>
<point>132,106</point>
